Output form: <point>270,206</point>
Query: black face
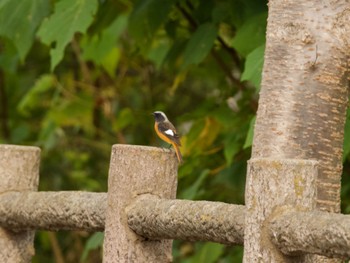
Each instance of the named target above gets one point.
<point>158,116</point>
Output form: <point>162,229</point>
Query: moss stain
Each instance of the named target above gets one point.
<point>299,184</point>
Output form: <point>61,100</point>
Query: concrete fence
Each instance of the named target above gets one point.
<point>140,215</point>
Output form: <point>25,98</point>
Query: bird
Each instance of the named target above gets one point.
<point>167,132</point>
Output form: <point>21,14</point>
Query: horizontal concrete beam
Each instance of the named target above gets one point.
<point>155,218</point>
<point>292,232</point>
<point>70,210</point>
<point>316,232</point>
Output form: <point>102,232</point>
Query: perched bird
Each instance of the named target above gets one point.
<point>167,132</point>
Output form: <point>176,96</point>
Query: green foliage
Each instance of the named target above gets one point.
<point>102,49</point>
<point>19,20</point>
<point>345,190</point>
<point>253,66</point>
<point>232,147</point>
<point>94,242</point>
<point>249,139</point>
<point>95,72</point>
<point>251,34</point>
<point>191,192</point>
<point>200,44</point>
<point>68,18</point>
<point>35,95</point>
<point>146,17</point>
<point>346,147</point>
<point>208,253</point>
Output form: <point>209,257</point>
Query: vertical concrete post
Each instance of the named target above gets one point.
<point>272,183</point>
<point>136,170</point>
<point>19,171</point>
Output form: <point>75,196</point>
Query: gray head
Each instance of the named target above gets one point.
<point>159,116</point>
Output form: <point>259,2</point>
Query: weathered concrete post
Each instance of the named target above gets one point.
<point>134,171</point>
<point>271,184</point>
<point>19,171</point>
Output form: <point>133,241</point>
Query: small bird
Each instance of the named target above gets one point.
<point>167,132</point>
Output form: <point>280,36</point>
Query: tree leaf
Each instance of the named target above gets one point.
<point>68,18</point>
<point>251,34</point>
<point>75,112</point>
<point>207,135</point>
<point>191,192</point>
<point>200,44</point>
<point>253,66</point>
<point>9,57</point>
<point>221,12</point>
<point>249,139</point>
<point>95,241</point>
<point>174,52</point>
<point>146,17</point>
<point>209,253</point>
<point>48,135</point>
<point>232,146</point>
<point>346,144</point>
<point>98,47</point>
<point>111,60</point>
<point>20,19</point>
<point>34,95</point>
<point>124,118</point>
<point>158,53</point>
<point>203,11</point>
<point>102,48</point>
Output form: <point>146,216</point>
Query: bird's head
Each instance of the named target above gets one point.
<point>159,116</point>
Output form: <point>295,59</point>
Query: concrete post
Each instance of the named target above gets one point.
<point>19,171</point>
<point>134,171</point>
<point>272,183</point>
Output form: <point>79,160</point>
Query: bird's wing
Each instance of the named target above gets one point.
<point>169,131</point>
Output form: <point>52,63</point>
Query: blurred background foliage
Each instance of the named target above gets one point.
<point>79,76</point>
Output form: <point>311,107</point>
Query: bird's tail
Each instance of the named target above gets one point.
<point>178,153</point>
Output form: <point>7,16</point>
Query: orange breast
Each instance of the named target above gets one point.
<point>161,135</point>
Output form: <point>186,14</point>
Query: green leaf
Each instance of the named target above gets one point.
<point>146,17</point>
<point>346,144</point>
<point>191,192</point>
<point>249,139</point>
<point>9,56</point>
<point>174,52</point>
<point>203,11</point>
<point>68,18</point>
<point>209,253</point>
<point>102,48</point>
<point>251,34</point>
<point>253,66</point>
<point>20,133</point>
<point>48,136</point>
<point>158,53</point>
<point>76,112</point>
<point>95,241</point>
<point>221,12</point>
<point>243,10</point>
<point>34,95</point>
<point>99,46</point>
<point>110,62</point>
<point>232,146</point>
<point>19,20</point>
<point>200,44</point>
<point>124,118</point>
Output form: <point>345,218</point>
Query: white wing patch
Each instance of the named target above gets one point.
<point>169,132</point>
